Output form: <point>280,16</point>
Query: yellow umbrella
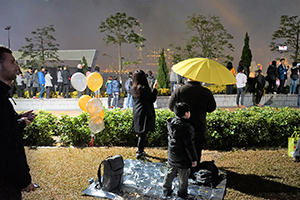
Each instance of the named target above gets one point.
<point>204,70</point>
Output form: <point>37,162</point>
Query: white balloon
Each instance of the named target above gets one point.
<point>78,81</point>
<point>94,106</point>
<point>96,124</point>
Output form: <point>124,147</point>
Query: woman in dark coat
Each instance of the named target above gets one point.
<point>143,109</point>
<point>272,75</point>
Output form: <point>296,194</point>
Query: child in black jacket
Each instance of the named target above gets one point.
<point>181,150</point>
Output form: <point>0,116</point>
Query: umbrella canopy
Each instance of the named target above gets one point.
<point>204,70</point>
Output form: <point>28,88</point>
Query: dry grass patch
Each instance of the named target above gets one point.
<point>63,173</point>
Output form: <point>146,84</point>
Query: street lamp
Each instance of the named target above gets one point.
<point>8,28</point>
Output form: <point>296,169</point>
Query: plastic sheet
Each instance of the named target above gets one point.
<point>146,179</point>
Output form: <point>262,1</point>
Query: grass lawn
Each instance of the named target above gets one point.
<point>62,173</point>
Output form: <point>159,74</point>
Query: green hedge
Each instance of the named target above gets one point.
<point>253,127</point>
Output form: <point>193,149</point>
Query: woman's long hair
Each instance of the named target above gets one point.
<point>139,80</point>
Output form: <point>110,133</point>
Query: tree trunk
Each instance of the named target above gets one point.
<point>120,63</point>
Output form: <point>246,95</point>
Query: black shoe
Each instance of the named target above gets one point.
<point>297,159</point>
<point>140,157</point>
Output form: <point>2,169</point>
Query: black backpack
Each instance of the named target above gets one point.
<point>112,174</point>
<point>207,174</point>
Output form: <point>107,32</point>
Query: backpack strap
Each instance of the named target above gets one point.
<point>99,174</point>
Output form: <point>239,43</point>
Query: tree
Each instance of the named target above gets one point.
<point>246,54</point>
<point>183,53</point>
<point>209,38</point>
<point>119,30</point>
<point>163,72</point>
<point>289,31</point>
<point>41,47</point>
<point>84,61</point>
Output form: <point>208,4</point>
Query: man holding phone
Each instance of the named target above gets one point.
<point>14,170</point>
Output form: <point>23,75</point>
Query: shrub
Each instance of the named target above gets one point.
<point>253,127</point>
<point>41,130</point>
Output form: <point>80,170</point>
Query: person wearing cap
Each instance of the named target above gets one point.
<point>282,69</point>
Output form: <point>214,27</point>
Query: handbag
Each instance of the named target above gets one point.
<point>292,142</point>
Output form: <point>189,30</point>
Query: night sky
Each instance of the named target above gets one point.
<point>76,22</point>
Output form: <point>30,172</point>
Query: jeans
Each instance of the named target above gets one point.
<point>109,96</point>
<point>281,87</point>
<point>240,92</point>
<point>293,86</point>
<point>60,88</point>
<point>79,94</point>
<point>116,96</point>
<point>42,86</point>
<point>183,175</point>
<point>48,88</point>
<point>66,90</point>
<point>29,92</point>
<point>129,100</point>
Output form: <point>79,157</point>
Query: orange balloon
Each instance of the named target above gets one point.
<point>94,81</point>
<point>100,114</point>
<point>83,101</point>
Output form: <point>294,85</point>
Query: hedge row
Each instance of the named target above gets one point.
<point>253,127</point>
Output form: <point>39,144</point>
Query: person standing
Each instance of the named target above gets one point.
<point>97,93</point>
<point>108,86</point>
<point>59,81</point>
<point>80,70</point>
<point>14,170</point>
<point>294,78</point>
<point>20,84</point>
<point>241,80</point>
<point>42,82</point>
<point>272,75</point>
<point>48,83</point>
<point>181,151</point>
<point>88,91</point>
<point>143,109</point>
<point>115,88</point>
<point>282,70</point>
<point>35,83</point>
<point>28,78</point>
<point>259,88</point>
<point>201,101</point>
<point>251,78</point>
<point>174,79</point>
<point>128,85</point>
<point>230,67</point>
<point>66,82</point>
<point>151,79</point>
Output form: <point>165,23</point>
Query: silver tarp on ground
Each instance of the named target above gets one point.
<point>146,179</point>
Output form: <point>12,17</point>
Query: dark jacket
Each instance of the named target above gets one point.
<point>294,73</point>
<point>13,165</point>
<point>201,101</point>
<point>282,72</point>
<point>272,73</point>
<point>115,86</point>
<point>66,76</point>
<point>260,82</point>
<point>28,78</point>
<point>35,80</point>
<point>143,110</point>
<point>181,148</point>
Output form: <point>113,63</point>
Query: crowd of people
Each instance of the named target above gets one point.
<point>190,103</point>
<point>276,76</point>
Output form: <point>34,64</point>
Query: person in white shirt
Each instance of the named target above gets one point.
<point>241,79</point>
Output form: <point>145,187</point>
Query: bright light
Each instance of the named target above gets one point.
<point>282,48</point>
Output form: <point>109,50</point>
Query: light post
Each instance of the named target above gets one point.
<point>8,28</point>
